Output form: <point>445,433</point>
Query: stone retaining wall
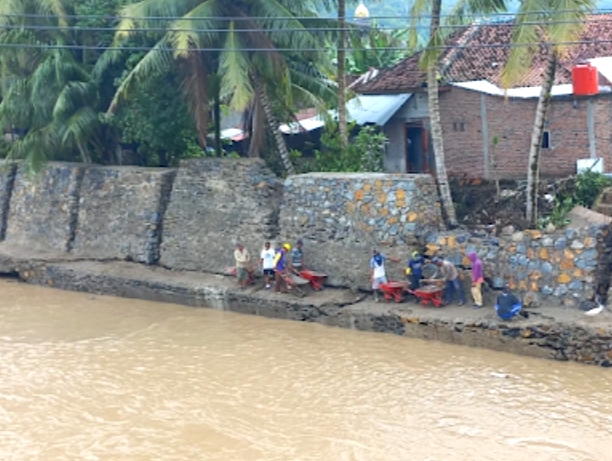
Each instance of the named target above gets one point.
<point>214,203</point>
<point>342,217</point>
<point>190,219</point>
<point>559,267</point>
<point>120,212</point>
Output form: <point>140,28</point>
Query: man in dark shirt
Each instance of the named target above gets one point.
<point>297,258</point>
<point>415,269</point>
<point>508,305</point>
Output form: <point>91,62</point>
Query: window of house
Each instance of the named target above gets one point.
<point>546,140</point>
<point>458,126</point>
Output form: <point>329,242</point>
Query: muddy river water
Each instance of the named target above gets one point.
<point>92,378</point>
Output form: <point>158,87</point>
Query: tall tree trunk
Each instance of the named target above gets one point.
<point>214,86</point>
<point>436,125</point>
<point>533,169</point>
<point>217,120</point>
<point>341,58</point>
<point>274,126</point>
<point>257,129</point>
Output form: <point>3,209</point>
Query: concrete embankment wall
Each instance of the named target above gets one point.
<point>214,203</point>
<point>43,209</point>
<point>120,211</point>
<point>190,218</point>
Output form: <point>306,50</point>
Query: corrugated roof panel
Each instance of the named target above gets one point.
<point>532,92</point>
<point>375,109</point>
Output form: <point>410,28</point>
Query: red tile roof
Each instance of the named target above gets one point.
<point>480,51</point>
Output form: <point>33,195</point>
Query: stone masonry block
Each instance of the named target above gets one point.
<point>215,202</point>
<point>121,211</point>
<point>43,208</point>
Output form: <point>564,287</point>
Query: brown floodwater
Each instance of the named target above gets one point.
<point>97,378</point>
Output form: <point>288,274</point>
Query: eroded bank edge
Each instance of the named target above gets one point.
<point>541,337</point>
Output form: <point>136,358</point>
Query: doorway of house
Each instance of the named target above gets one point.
<point>416,149</point>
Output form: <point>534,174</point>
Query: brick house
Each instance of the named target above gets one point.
<point>487,130</point>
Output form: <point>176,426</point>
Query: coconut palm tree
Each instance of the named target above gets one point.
<point>46,92</point>
<point>430,61</point>
<point>542,26</point>
<point>246,39</point>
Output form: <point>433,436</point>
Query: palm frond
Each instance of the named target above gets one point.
<point>157,59</point>
<point>31,149</point>
<point>283,26</point>
<point>10,8</point>
<point>56,8</point>
<point>79,127</point>
<point>106,60</point>
<point>73,96</point>
<point>151,13</point>
<point>433,50</point>
<point>464,11</point>
<point>417,9</point>
<point>234,68</point>
<point>526,36</point>
<point>567,20</point>
<point>192,29</point>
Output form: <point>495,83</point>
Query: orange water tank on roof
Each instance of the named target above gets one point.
<point>585,80</point>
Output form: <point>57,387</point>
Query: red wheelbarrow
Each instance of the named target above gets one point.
<point>427,294</point>
<point>393,290</point>
<point>315,279</point>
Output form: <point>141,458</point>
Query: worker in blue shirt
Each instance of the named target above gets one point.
<point>414,270</point>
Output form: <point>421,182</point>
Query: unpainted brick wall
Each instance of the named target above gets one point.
<point>511,121</point>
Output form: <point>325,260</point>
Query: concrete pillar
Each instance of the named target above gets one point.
<point>591,128</point>
<point>485,134</point>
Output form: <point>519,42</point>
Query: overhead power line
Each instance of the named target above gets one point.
<point>272,50</point>
<point>505,15</point>
<point>77,28</point>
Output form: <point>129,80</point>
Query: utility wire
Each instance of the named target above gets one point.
<point>507,15</point>
<point>273,50</point>
<point>77,28</point>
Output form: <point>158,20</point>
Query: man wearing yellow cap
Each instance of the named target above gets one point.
<point>280,268</point>
<point>414,269</point>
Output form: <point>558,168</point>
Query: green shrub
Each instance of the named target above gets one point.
<point>365,152</point>
<point>588,187</point>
